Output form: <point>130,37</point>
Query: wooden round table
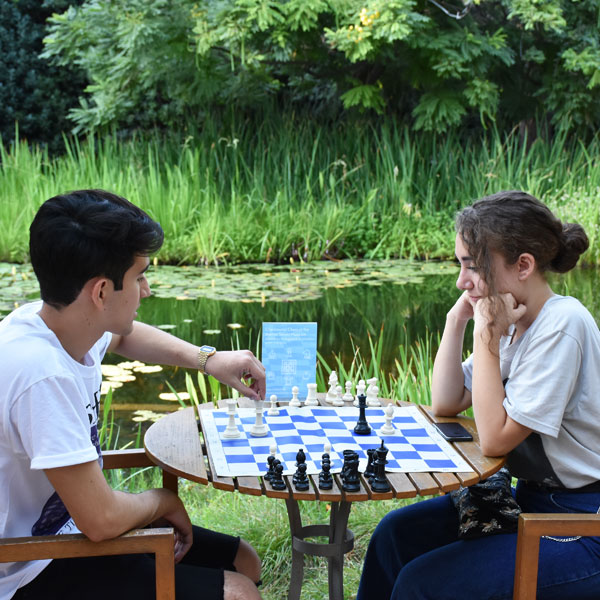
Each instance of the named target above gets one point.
<point>176,445</point>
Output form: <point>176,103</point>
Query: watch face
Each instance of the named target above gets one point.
<point>207,349</point>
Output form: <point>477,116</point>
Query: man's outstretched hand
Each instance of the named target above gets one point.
<point>238,369</point>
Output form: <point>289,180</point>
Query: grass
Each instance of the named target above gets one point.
<point>239,191</point>
<point>263,522</point>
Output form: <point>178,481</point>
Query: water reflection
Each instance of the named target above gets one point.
<point>395,313</point>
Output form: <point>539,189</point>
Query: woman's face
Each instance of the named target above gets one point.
<point>470,278</point>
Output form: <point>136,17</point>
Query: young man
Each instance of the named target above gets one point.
<point>90,251</point>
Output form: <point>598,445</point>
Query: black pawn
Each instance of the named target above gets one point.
<point>300,478</point>
<point>362,427</point>
<point>325,478</point>
<point>269,474</point>
<point>277,482</point>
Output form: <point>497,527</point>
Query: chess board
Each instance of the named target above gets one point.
<point>415,447</point>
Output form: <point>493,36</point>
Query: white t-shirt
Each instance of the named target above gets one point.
<point>552,386</point>
<point>48,418</point>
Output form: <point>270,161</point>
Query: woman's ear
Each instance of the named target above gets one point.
<point>526,266</point>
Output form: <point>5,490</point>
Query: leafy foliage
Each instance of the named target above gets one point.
<point>165,62</point>
<point>35,96</point>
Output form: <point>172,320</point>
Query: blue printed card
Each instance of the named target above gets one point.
<point>289,354</point>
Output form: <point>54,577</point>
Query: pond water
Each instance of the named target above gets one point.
<point>395,302</point>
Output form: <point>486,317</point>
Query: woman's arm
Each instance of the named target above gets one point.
<point>448,393</point>
<point>498,433</point>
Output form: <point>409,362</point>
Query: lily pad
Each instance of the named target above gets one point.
<point>249,283</point>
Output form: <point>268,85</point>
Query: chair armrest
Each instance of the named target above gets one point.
<point>126,459</point>
<point>158,541</point>
<point>531,528</point>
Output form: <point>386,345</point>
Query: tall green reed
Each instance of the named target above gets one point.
<point>241,191</point>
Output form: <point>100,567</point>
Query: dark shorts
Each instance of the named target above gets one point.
<point>199,576</point>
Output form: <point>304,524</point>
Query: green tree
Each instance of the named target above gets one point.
<point>159,61</point>
<point>34,95</point>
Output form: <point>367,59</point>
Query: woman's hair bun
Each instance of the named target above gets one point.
<point>574,242</point>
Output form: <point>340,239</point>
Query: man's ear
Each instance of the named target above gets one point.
<point>97,289</point>
<point>526,265</point>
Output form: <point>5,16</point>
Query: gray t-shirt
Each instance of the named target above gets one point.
<point>552,386</point>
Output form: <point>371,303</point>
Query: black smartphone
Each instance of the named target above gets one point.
<point>453,432</point>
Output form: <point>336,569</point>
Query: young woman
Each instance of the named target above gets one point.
<point>533,380</point>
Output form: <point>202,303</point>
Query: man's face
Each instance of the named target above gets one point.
<point>121,306</point>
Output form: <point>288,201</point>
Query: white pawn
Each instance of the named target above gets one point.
<point>388,428</point>
<point>372,396</point>
<point>327,448</point>
<point>348,397</point>
<point>360,390</point>
<point>337,401</point>
<point>273,449</point>
<point>273,410</point>
<point>311,398</point>
<point>294,401</point>
<point>231,431</point>
<point>259,429</point>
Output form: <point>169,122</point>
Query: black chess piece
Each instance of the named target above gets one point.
<point>380,483</point>
<point>269,474</point>
<point>347,454</point>
<point>325,478</point>
<point>362,427</point>
<point>277,482</point>
<point>300,457</point>
<point>351,480</point>
<point>300,478</point>
<point>369,470</point>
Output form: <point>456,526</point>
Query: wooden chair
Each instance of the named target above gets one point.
<point>157,541</point>
<point>531,528</point>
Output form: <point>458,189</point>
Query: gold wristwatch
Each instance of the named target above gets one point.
<point>204,353</point>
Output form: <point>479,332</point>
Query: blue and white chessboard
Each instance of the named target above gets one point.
<point>415,447</point>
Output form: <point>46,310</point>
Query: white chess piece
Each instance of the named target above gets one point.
<point>333,378</point>
<point>331,396</point>
<point>294,401</point>
<point>311,398</point>
<point>273,449</point>
<point>348,397</point>
<point>360,390</point>
<point>259,429</point>
<point>388,427</point>
<point>327,448</point>
<point>372,396</point>
<point>231,431</point>
<point>337,401</point>
<point>273,410</point>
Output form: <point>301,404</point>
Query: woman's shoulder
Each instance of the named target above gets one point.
<point>568,314</point>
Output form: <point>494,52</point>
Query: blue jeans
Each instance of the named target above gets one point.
<point>415,554</point>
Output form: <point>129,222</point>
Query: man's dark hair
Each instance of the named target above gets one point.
<point>84,234</point>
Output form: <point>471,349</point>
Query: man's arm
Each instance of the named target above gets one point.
<point>152,345</point>
<point>102,513</point>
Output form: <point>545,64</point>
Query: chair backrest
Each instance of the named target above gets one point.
<point>531,528</point>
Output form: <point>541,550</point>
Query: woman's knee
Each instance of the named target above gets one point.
<point>247,561</point>
<point>239,587</point>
